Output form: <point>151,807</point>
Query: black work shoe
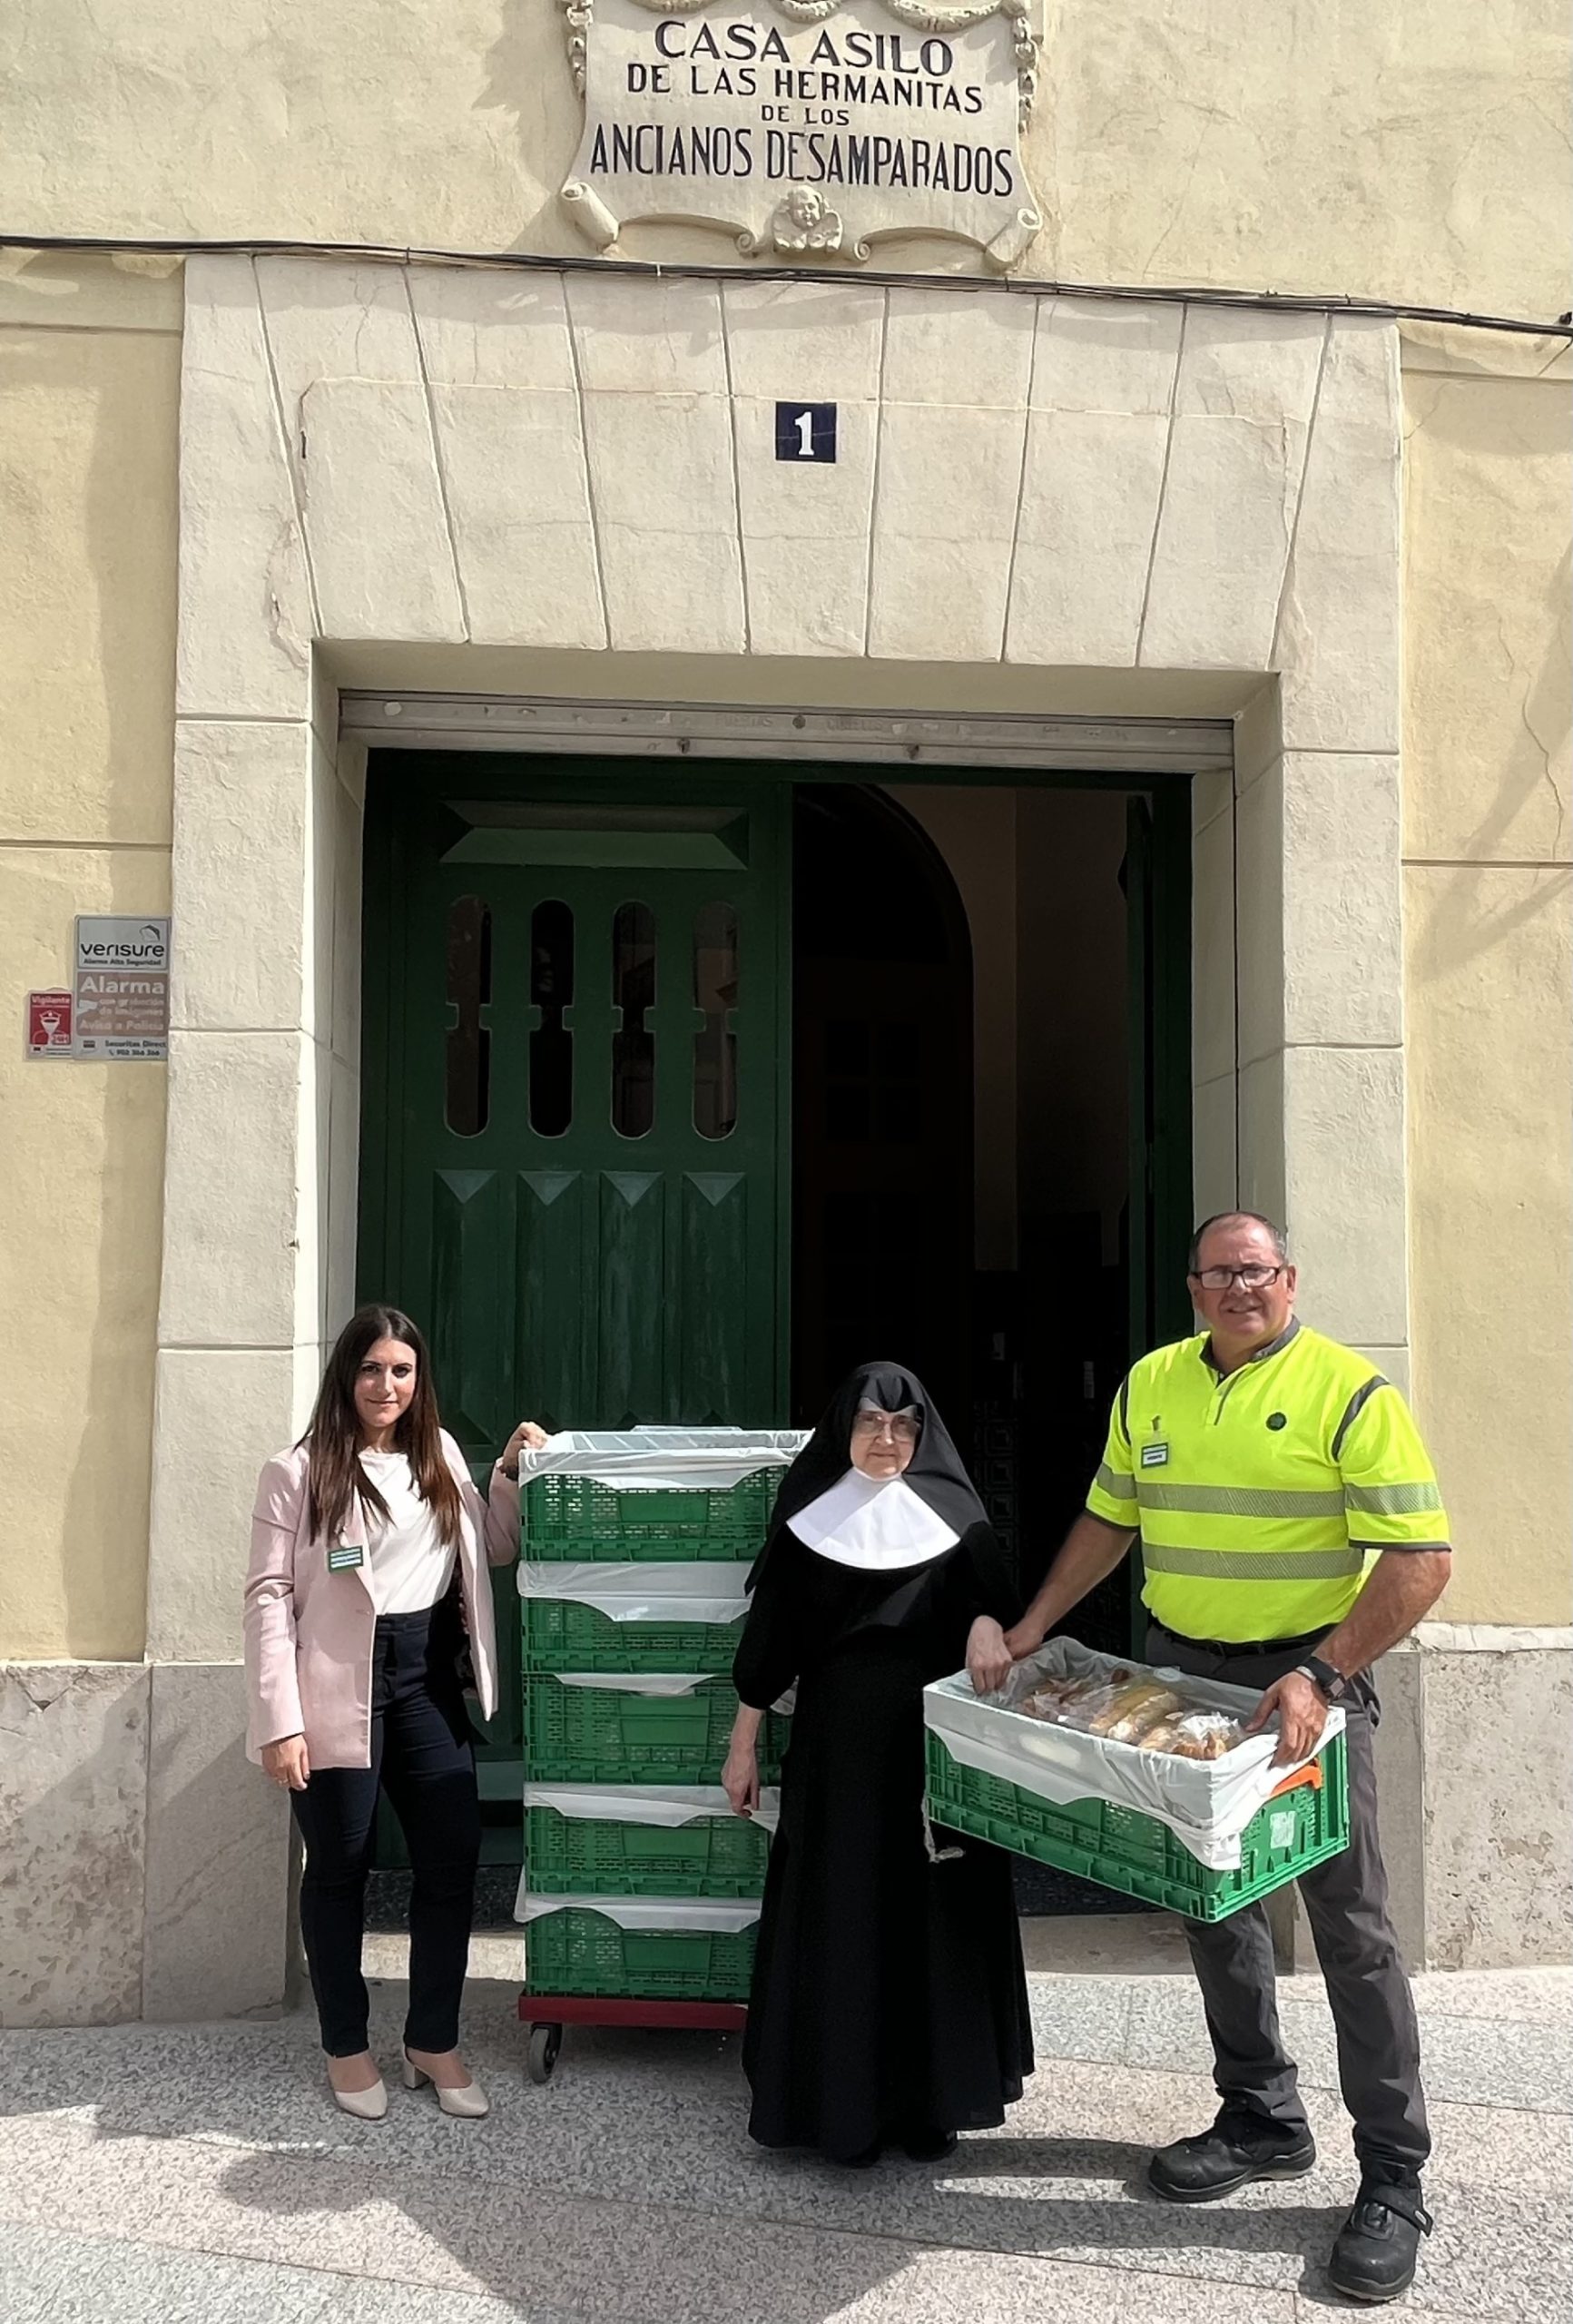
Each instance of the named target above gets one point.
<point>1238,2148</point>
<point>1373,2258</point>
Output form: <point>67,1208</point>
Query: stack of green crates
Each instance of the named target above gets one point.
<point>620,1740</point>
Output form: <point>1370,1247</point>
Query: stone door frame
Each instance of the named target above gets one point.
<point>563,484</point>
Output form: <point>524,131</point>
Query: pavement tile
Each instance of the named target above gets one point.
<point>1056,2185</point>
<point>1169,2031</point>
<point>1537,1996</point>
<point>49,2277</point>
<point>1473,2060</point>
<point>1081,2017</point>
<point>596,2259</point>
<point>1492,2061</point>
<point>382,2302</point>
<point>627,2192</point>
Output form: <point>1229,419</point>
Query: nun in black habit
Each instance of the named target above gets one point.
<point>889,2006</point>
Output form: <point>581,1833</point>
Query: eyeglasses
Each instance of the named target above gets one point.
<point>902,1428</point>
<point>1248,1278</point>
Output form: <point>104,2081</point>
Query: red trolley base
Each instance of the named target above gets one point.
<point>583,2009</point>
<point>546,2015</point>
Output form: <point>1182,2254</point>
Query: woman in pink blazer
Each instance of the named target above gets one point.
<point>369,1574</point>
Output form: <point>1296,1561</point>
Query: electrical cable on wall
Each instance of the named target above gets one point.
<point>534,262</point>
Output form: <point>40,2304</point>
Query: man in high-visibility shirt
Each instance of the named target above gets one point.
<point>1292,1533</point>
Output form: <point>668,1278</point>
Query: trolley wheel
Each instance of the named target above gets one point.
<point>541,2058</point>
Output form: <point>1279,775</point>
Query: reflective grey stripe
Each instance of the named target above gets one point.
<point>1392,1500</point>
<point>1118,1488</point>
<point>1381,1548</point>
<point>1355,1406</point>
<point>1239,1501</point>
<point>1255,1565</point>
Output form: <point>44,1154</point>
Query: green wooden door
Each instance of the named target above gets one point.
<point>573,1157</point>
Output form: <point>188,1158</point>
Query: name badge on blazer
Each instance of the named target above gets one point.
<point>348,1555</point>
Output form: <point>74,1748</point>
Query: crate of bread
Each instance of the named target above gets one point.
<point>1139,1778</point>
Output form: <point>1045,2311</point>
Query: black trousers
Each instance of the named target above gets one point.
<point>1345,1901</point>
<point>421,1755</point>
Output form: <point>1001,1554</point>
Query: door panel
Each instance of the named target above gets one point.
<point>580,1138</point>
<point>573,1145</point>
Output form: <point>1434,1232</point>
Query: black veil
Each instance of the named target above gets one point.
<point>935,1472</point>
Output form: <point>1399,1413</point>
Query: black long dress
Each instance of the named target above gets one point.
<point>888,2005</point>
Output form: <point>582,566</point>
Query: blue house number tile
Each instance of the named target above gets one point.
<point>805,431</point>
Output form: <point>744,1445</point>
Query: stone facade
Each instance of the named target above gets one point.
<point>563,467</point>
<point>551,483</point>
<point>360,418</point>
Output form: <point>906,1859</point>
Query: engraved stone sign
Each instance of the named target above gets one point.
<point>808,129</point>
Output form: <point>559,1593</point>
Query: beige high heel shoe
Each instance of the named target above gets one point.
<point>469,2104</point>
<point>365,2105</point>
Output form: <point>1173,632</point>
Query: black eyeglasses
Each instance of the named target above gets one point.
<point>1248,1278</point>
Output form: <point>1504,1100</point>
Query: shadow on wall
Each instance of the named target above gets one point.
<point>100,1434</point>
<point>527,77</point>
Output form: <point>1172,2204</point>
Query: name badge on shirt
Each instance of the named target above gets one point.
<point>348,1555</point>
<point>1154,1456</point>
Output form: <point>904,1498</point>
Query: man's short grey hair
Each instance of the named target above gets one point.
<point>1236,1218</point>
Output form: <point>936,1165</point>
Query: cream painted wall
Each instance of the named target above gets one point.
<point>89,381</point>
<point>1488,967</point>
<point>1415,151</point>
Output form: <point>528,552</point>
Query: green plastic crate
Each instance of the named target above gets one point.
<point>590,1856</point>
<point>1117,1848</point>
<point>599,1735</point>
<point>560,1635</point>
<point>578,1952</point>
<point>580,1518</point>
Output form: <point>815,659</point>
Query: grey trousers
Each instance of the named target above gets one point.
<point>1346,1904</point>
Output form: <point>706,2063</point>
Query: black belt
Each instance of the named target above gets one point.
<point>1242,1646</point>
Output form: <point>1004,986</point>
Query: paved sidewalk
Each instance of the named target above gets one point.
<point>197,2176</point>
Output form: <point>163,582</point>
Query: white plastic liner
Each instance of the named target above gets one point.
<point>643,1593</point>
<point>669,1805</point>
<point>635,1682</point>
<point>689,1458</point>
<point>1205,1803</point>
<point>729,1915</point>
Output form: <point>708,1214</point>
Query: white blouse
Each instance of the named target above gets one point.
<point>409,1566</point>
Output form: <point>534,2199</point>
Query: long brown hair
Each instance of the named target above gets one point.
<point>332,1440</point>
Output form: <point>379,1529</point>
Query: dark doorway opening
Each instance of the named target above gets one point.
<point>984,990</point>
<point>985,987</point>
<point>881,1102</point>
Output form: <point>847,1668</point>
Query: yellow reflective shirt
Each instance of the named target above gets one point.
<point>1261,1496</point>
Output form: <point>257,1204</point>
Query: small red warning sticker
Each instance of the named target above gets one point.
<point>49,1024</point>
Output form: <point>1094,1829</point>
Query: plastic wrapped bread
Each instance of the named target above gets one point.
<point>1197,1771</point>
<point>1132,1705</point>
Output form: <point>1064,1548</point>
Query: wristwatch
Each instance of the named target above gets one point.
<point>1332,1684</point>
